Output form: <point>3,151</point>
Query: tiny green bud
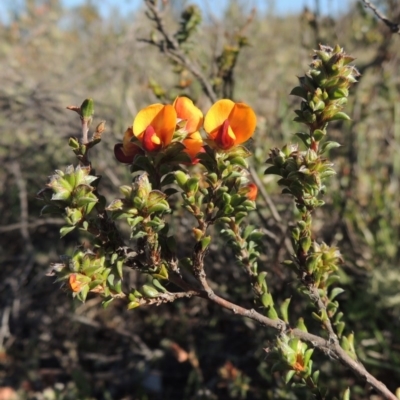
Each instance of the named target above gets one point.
<point>198,234</point>
<point>133,304</point>
<point>181,178</point>
<point>212,178</point>
<point>192,185</point>
<point>205,242</point>
<point>305,243</point>
<point>87,108</point>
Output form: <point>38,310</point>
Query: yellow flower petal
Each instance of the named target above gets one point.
<point>216,116</point>
<point>144,118</point>
<point>161,118</point>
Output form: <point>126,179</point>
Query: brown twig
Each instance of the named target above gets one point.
<point>328,346</point>
<point>14,167</point>
<point>170,47</point>
<point>31,225</point>
<point>394,28</point>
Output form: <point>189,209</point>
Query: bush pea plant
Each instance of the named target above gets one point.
<point>180,160</point>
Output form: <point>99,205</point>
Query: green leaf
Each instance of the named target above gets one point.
<point>133,304</point>
<point>132,222</point>
<point>149,291</point>
<point>284,309</point>
<point>158,285</point>
<point>288,376</point>
<point>340,328</point>
<point>192,185</point>
<point>299,91</point>
<point>340,116</point>
<point>155,197</point>
<point>301,325</point>
<point>239,151</point>
<point>328,146</point>
<point>86,200</point>
<point>168,179</point>
<point>116,204</point>
<point>307,356</point>
<point>160,207</point>
<point>279,366</point>
<point>319,134</point>
<point>62,195</point>
<point>255,236</point>
<point>273,170</point>
<point>239,161</point>
<point>107,302</point>
<point>346,394</point>
<point>205,242</point>
<point>170,191</point>
<point>50,209</point>
<point>335,292</point>
<point>65,230</point>
<point>142,163</point>
<point>83,293</point>
<point>139,235</point>
<point>73,143</point>
<point>271,313</point>
<point>119,268</point>
<point>304,137</point>
<point>315,376</point>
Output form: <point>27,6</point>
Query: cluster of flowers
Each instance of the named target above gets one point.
<point>227,125</point>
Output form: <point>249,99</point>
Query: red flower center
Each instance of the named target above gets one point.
<point>224,140</point>
<point>151,142</point>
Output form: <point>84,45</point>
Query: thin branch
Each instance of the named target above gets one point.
<point>394,28</point>
<point>171,48</point>
<point>143,348</point>
<point>329,347</point>
<point>15,169</point>
<point>271,205</point>
<point>265,195</point>
<point>31,225</point>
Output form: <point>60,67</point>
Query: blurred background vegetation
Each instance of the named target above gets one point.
<point>52,57</point>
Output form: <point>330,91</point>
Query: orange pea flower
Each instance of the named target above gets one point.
<point>194,145</point>
<point>154,126</point>
<point>187,111</point>
<point>126,151</point>
<point>229,124</point>
<point>249,190</point>
<point>74,284</point>
<point>190,118</point>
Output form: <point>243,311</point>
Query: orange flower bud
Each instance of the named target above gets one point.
<point>251,191</point>
<point>194,146</point>
<point>187,111</point>
<point>229,124</point>
<point>298,365</point>
<point>74,285</point>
